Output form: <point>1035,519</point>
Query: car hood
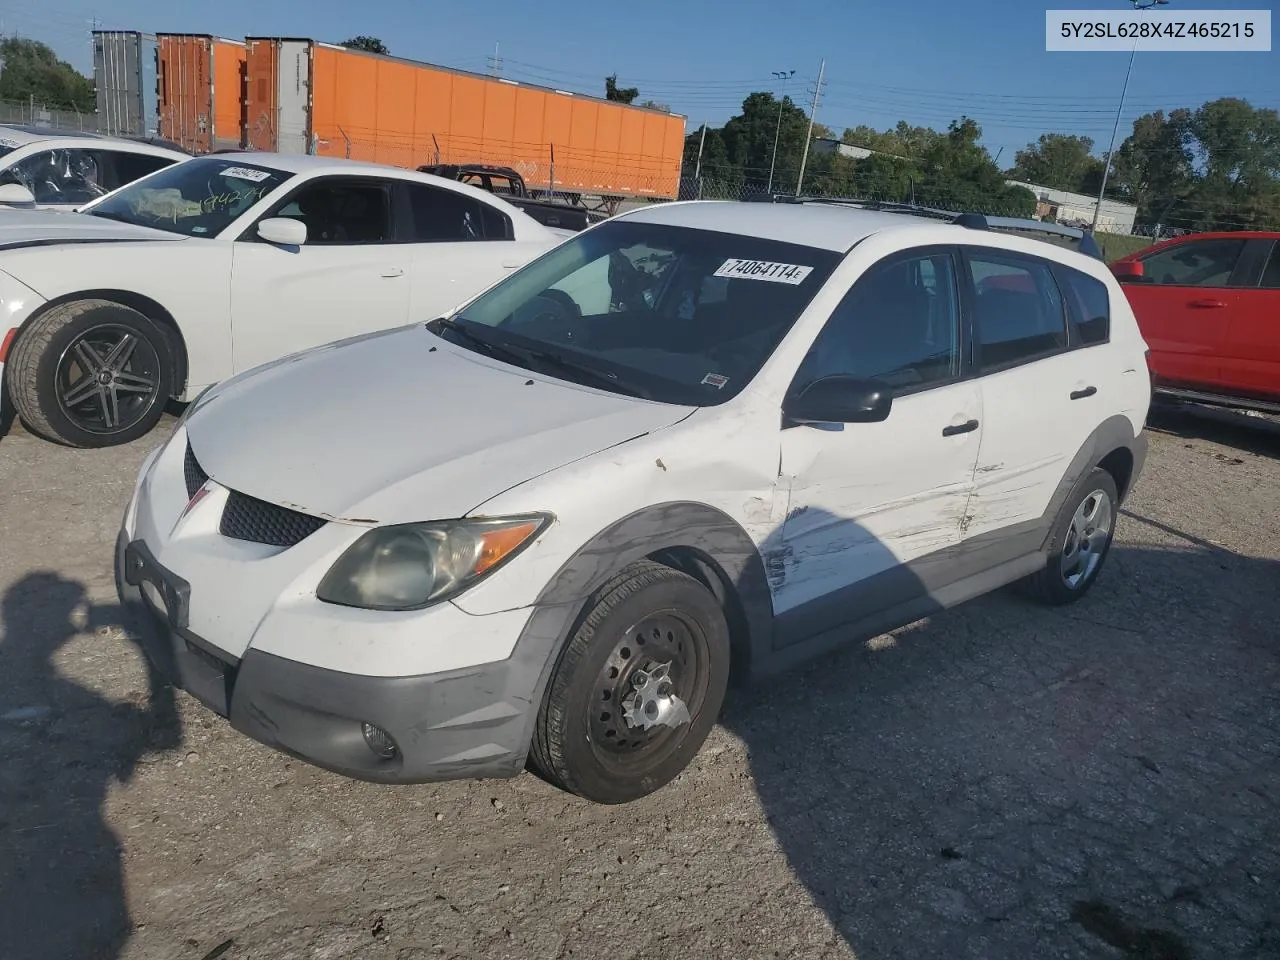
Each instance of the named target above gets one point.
<point>402,426</point>
<point>29,228</point>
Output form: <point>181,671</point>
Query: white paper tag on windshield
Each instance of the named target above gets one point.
<point>246,173</point>
<point>763,270</point>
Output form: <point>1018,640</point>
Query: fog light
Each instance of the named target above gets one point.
<point>379,741</point>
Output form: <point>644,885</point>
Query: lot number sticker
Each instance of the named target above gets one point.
<point>246,173</point>
<point>763,270</point>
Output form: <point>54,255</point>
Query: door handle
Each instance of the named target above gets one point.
<point>967,427</point>
<point>1081,394</point>
<point>1207,304</point>
<point>392,272</point>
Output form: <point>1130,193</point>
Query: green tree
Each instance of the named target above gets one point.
<point>32,72</point>
<point>1057,160</point>
<point>1238,148</point>
<point>367,44</point>
<point>749,139</point>
<point>1154,166</point>
<point>620,94</point>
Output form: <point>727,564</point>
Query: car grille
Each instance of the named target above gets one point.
<point>246,518</point>
<point>195,475</point>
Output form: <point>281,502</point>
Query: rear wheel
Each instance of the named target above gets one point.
<point>91,373</point>
<point>1080,542</point>
<point>637,688</point>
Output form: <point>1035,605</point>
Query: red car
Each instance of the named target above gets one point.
<point>1208,305</point>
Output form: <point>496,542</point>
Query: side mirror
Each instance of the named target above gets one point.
<point>1128,270</point>
<point>283,230</point>
<point>839,400</point>
<point>16,195</point>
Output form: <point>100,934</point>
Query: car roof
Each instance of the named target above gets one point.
<point>311,163</point>
<point>20,135</point>
<point>829,227</point>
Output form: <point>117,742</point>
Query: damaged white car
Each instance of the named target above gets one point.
<point>695,440</point>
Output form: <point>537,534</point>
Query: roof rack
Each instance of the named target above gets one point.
<point>1086,244</point>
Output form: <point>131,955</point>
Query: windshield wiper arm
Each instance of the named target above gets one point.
<point>522,356</point>
<point>557,361</point>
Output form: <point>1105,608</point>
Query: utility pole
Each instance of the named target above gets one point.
<point>697,170</point>
<point>813,112</point>
<point>495,62</point>
<point>784,76</point>
<point>1106,167</point>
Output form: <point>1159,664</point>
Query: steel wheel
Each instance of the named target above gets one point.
<point>1087,538</point>
<point>108,379</point>
<point>655,679</point>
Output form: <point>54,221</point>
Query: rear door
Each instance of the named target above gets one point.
<point>1040,398</point>
<point>1184,304</point>
<point>1251,361</point>
<point>350,277</point>
<point>460,246</point>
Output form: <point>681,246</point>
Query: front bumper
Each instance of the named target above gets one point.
<point>469,723</point>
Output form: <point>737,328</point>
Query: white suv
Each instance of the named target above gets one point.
<point>696,439</point>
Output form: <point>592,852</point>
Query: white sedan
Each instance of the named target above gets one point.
<point>47,169</point>
<point>221,263</point>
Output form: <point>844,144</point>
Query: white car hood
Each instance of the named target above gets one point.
<point>25,228</point>
<point>386,429</point>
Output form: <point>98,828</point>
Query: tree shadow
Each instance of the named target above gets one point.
<point>1234,428</point>
<point>63,746</point>
<point>1010,780</point>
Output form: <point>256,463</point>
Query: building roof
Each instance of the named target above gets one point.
<point>826,226</point>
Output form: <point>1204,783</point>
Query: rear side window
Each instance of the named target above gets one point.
<point>134,166</point>
<point>447,216</point>
<point>1088,307</point>
<point>1018,310</point>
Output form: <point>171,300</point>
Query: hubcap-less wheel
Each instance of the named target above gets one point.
<point>1087,538</point>
<point>655,679</point>
<point>108,379</point>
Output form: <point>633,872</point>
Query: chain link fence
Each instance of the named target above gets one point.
<point>31,113</point>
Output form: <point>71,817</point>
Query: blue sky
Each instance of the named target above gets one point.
<point>925,62</point>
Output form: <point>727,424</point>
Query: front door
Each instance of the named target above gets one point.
<point>869,498</point>
<point>1184,305</point>
<point>348,278</point>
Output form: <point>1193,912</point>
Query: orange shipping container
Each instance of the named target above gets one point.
<point>200,90</point>
<point>304,96</point>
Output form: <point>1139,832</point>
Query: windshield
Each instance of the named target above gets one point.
<point>674,314</point>
<point>196,198</point>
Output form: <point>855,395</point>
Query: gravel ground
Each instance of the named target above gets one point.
<point>1000,781</point>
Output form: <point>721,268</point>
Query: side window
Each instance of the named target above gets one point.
<point>439,215</point>
<point>1088,306</point>
<point>341,212</point>
<point>1271,275</point>
<point>899,323</point>
<point>1198,263</point>
<point>1018,310</point>
<point>128,167</point>
<point>70,176</point>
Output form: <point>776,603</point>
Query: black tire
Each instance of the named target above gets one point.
<point>47,354</point>
<point>619,629</point>
<point>1051,586</point>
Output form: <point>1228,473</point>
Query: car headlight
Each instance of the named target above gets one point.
<point>409,566</point>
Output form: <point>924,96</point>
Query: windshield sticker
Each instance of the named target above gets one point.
<point>246,173</point>
<point>715,380</point>
<point>763,270</point>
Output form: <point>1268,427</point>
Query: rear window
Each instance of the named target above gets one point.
<point>1088,307</point>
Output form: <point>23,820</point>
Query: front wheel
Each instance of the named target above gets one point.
<point>91,373</point>
<point>637,688</point>
<point>1080,542</point>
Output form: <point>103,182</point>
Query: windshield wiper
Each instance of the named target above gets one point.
<point>523,356</point>
<point>484,343</point>
<point>558,361</point>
